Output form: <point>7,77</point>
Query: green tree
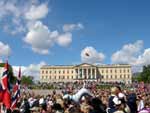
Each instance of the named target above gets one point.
<point>145,74</point>
<point>26,80</point>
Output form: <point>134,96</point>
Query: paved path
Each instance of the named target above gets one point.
<point>43,92</point>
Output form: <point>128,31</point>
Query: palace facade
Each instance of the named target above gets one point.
<point>89,72</point>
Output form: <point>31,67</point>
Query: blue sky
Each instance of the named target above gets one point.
<point>62,31</point>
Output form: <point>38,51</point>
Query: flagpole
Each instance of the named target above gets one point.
<point>7,57</point>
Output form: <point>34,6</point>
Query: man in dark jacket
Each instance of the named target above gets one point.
<point>131,101</point>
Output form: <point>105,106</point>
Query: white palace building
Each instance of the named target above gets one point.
<point>89,72</point>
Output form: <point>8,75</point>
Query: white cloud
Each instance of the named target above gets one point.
<point>19,13</point>
<point>4,49</point>
<point>144,59</point>
<point>29,9</point>
<point>64,39</point>
<point>31,70</point>
<point>37,12</point>
<point>39,38</point>
<point>71,27</point>
<point>91,55</point>
<point>128,53</point>
<point>133,54</point>
<point>8,8</point>
<point>23,17</point>
<point>15,30</point>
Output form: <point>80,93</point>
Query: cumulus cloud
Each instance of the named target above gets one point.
<point>39,38</point>
<point>91,55</point>
<point>5,50</point>
<point>133,54</point>
<point>8,8</point>
<point>64,39</point>
<point>71,27</point>
<point>144,59</point>
<point>31,70</point>
<point>20,13</point>
<point>26,17</point>
<point>37,12</point>
<point>128,53</point>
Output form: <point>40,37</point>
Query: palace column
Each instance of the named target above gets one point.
<point>91,73</point>
<point>95,73</point>
<point>78,74</point>
<point>83,73</point>
<point>87,73</point>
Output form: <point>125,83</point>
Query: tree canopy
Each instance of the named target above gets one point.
<point>26,80</point>
<point>144,75</point>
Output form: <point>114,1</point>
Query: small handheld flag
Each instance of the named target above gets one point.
<point>4,79</point>
<point>16,91</point>
<point>87,54</point>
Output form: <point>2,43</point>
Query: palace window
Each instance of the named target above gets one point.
<point>63,72</point>
<point>50,72</point>
<point>102,71</point>
<point>67,77</point>
<point>54,77</point>
<point>120,76</point>
<point>76,71</point>
<point>115,76</point>
<point>72,71</point>
<point>49,77</point>
<point>120,71</point>
<point>128,70</point>
<point>106,71</point>
<point>59,72</point>
<point>42,72</point>
<point>111,71</point>
<point>124,70</point>
<point>46,72</point>
<point>128,76</point>
<point>55,72</point>
<point>115,71</point>
<point>124,76</point>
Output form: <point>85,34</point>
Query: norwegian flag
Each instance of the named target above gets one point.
<point>16,91</point>
<point>5,86</point>
<point>4,79</point>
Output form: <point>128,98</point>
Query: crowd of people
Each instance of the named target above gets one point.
<point>86,98</point>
